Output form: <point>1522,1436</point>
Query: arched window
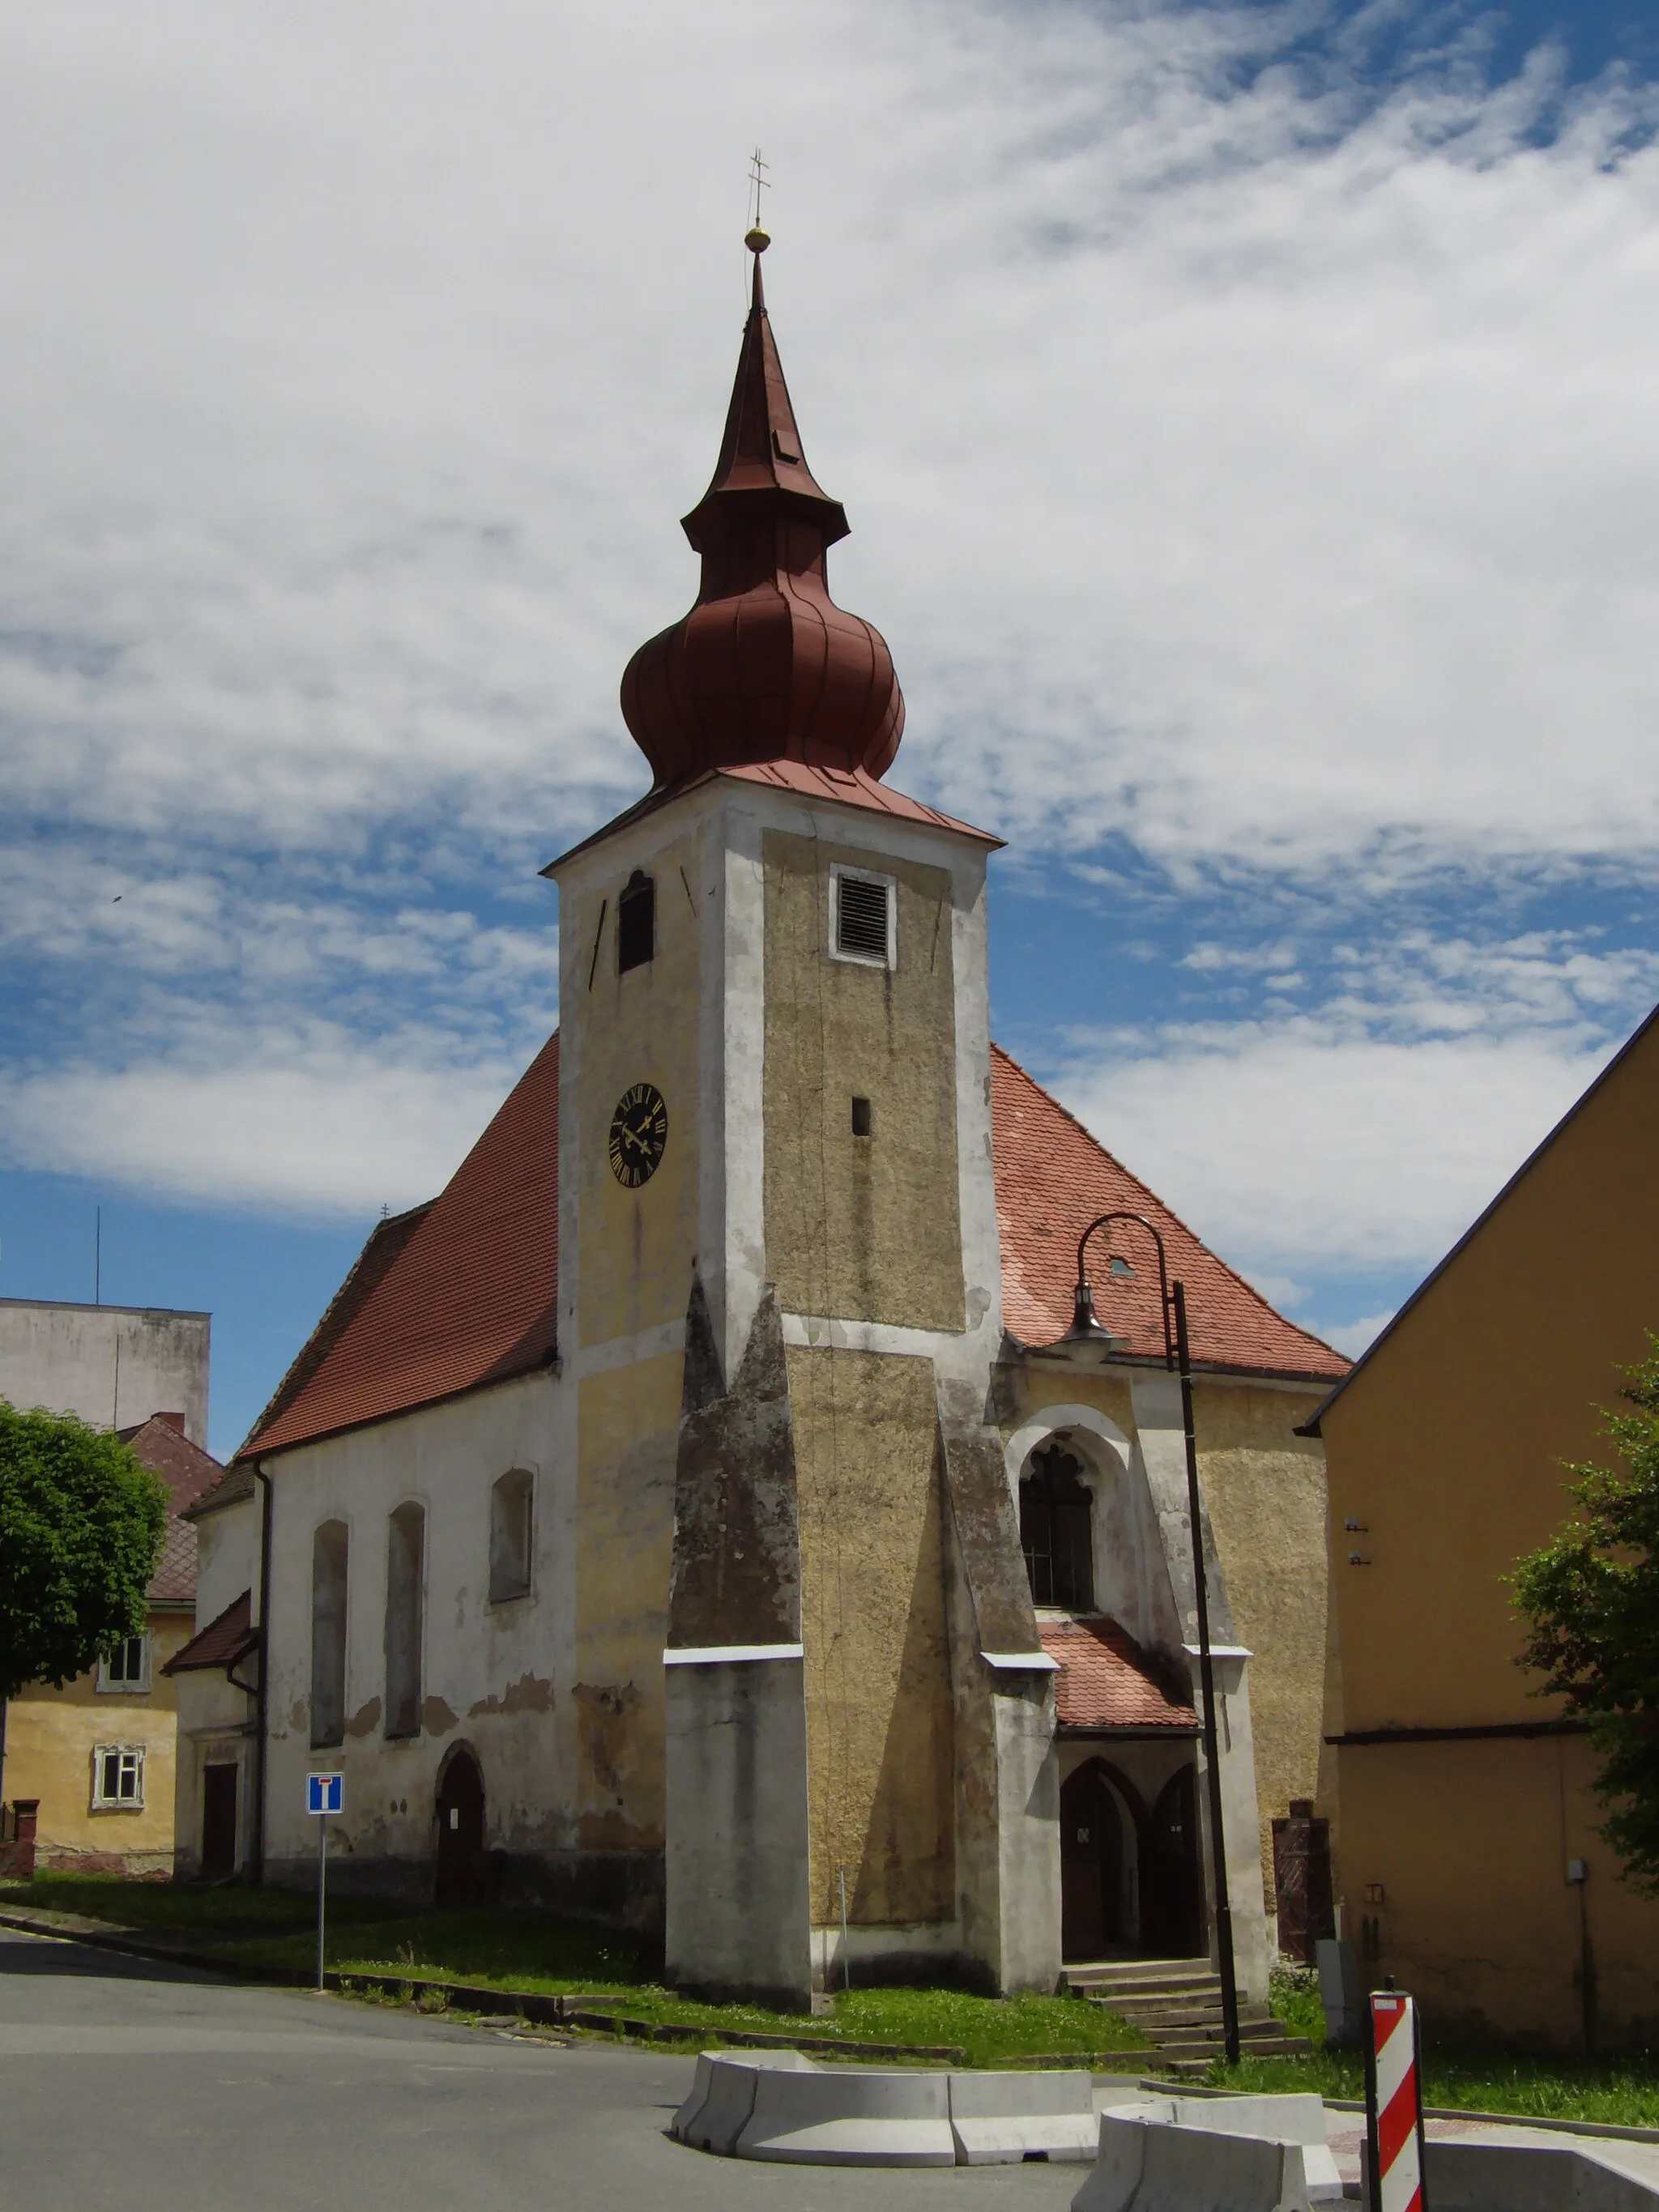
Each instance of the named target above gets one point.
<point>510,1502</point>
<point>329,1550</point>
<point>406,1573</point>
<point>636,923</point>
<point>1057,1529</point>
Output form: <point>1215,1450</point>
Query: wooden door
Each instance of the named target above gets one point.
<point>460,1833</point>
<point>1171,1884</point>
<point>1090,1867</point>
<point>219,1820</point>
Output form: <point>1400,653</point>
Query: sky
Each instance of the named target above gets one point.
<point>1244,414</point>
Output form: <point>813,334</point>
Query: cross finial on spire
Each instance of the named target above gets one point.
<point>757,239</point>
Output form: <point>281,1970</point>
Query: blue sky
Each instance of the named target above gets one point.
<point>1244,416</point>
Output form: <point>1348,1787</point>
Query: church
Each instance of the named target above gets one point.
<point>692,1518</point>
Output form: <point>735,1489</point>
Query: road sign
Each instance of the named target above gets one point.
<point>324,1792</point>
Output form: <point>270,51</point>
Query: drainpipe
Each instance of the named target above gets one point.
<point>263,1702</point>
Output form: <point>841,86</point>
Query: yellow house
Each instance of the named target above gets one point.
<point>1470,1865</point>
<point>90,1767</point>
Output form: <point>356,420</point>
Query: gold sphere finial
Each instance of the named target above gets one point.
<point>757,239</point>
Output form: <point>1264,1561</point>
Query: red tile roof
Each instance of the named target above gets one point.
<point>188,1473</point>
<point>227,1638</point>
<point>1107,1681</point>
<point>463,1292</point>
<point>467,1296</point>
<point>839,787</point>
<point>1052,1179</point>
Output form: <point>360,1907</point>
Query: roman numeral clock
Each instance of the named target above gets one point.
<point>639,1135</point>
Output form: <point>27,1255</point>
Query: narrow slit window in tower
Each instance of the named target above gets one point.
<point>636,923</point>
<point>861,1117</point>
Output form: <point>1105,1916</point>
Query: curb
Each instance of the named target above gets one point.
<point>1609,2129</point>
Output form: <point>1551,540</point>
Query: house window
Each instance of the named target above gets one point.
<point>636,923</point>
<point>329,1551</point>
<point>117,1777</point>
<point>127,1667</point>
<point>1056,1529</point>
<point>510,1502</point>
<point>405,1571</point>
<point>862,917</point>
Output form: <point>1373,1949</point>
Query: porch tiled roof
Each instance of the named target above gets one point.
<point>1106,1680</point>
<point>229,1637</point>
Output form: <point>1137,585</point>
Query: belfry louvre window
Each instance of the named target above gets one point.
<point>117,1777</point>
<point>1056,1530</point>
<point>636,923</point>
<point>863,918</point>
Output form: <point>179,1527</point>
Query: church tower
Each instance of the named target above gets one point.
<point>806,1666</point>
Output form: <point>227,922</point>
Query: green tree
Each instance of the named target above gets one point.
<point>81,1520</point>
<point>1590,1600</point>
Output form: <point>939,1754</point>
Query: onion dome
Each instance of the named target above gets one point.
<point>765,667</point>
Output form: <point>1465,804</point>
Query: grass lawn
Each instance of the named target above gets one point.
<point>256,1930</point>
<point>1623,2091</point>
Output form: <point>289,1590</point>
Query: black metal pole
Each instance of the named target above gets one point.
<point>1223,1912</point>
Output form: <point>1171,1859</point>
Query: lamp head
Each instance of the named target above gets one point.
<point>1085,1327</point>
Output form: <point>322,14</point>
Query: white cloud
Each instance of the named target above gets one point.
<point>309,1126</point>
<point>1229,459</point>
<point>1351,1338</point>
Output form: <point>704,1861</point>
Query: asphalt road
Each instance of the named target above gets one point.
<point>128,2086</point>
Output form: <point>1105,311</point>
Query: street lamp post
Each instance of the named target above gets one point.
<point>1087,1328</point>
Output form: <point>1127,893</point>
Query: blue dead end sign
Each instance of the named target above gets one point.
<point>324,1792</point>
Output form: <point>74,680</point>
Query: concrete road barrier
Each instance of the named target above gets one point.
<point>1471,2176</point>
<point>848,2116</point>
<point>722,2096</point>
<point>1000,2120</point>
<point>1296,2119</point>
<point>1152,2167</point>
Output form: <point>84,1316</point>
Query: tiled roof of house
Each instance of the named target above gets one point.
<point>467,1296</point>
<point>187,1472</point>
<point>1052,1179</point>
<point>227,1638</point>
<point>1107,1681</point>
<point>463,1292</point>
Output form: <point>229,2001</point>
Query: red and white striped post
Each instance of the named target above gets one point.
<point>1393,2105</point>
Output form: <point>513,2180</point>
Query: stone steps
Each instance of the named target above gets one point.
<point>1176,2004</point>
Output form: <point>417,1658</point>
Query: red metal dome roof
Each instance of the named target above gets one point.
<point>765,667</point>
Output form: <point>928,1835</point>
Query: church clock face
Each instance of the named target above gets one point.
<point>639,1135</point>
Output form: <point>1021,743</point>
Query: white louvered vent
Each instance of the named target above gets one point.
<point>861,918</point>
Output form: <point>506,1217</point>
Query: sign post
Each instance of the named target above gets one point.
<point>1394,2104</point>
<point>324,1795</point>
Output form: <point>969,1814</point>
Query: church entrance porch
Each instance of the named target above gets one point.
<point>1130,1864</point>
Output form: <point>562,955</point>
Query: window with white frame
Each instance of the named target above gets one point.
<point>126,1668</point>
<point>863,917</point>
<point>117,1777</point>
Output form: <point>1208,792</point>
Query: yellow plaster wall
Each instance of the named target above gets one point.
<point>1031,1386</point>
<point>863,1228</point>
<point>627,1422</point>
<point>51,1735</point>
<point>1449,1446</point>
<point>1470,1844</point>
<point>1265,1489</point>
<point>878,1712</point>
<point>636,1246</point>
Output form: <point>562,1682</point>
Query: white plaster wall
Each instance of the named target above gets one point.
<point>112,1365</point>
<point>495,1677</point>
<point>227,1558</point>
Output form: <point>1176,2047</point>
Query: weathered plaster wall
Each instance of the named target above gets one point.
<point>50,1738</point>
<point>880,1736</point>
<point>863,1228</point>
<point>497,1677</point>
<point>1265,1488</point>
<point>113,1365</point>
<point>628,1424</point>
<point>634,1247</point>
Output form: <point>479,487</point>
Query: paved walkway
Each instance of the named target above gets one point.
<point>1345,2132</point>
<point>132,2087</point>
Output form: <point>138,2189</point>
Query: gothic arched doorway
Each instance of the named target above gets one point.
<point>1171,1887</point>
<point>460,1832</point>
<point>1094,1854</point>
